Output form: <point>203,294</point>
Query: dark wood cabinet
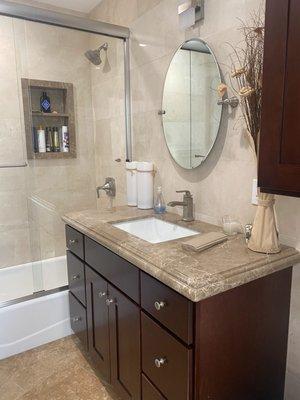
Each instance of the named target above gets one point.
<point>166,361</point>
<point>241,341</point>
<point>97,317</point>
<point>114,335</point>
<point>148,342</point>
<point>124,328</point>
<point>76,277</point>
<point>78,320</point>
<point>114,268</point>
<point>149,392</point>
<point>279,155</point>
<point>74,242</point>
<point>165,305</point>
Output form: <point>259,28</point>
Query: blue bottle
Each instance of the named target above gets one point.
<point>45,103</point>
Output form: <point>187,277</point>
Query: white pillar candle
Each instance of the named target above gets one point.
<point>131,180</point>
<point>145,185</point>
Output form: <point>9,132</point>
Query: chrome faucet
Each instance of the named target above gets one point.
<point>109,187</point>
<point>187,204</point>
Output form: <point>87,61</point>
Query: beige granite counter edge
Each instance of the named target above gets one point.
<point>218,285</point>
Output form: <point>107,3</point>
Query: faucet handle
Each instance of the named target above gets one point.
<point>109,187</point>
<point>187,192</point>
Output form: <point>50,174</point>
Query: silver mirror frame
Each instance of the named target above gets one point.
<point>161,112</point>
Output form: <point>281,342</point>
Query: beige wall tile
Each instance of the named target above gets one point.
<point>123,12</point>
<point>222,185</point>
<point>146,5</point>
<point>38,195</point>
<point>15,246</point>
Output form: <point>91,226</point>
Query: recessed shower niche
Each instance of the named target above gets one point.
<point>56,119</point>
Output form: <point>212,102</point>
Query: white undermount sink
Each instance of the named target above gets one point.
<point>154,230</point>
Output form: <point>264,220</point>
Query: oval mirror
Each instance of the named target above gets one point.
<point>190,113</point>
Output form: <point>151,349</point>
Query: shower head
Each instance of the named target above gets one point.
<point>94,56</point>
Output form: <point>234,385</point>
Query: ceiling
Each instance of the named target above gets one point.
<point>83,6</point>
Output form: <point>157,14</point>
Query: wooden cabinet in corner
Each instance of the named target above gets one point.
<point>279,155</point>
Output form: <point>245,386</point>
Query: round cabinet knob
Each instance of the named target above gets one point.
<point>159,305</point>
<point>160,362</point>
<point>75,277</point>
<point>76,319</point>
<point>72,241</point>
<point>109,302</point>
<point>101,294</point>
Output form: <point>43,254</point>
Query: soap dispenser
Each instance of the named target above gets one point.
<point>159,205</point>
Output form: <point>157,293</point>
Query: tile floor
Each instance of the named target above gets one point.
<point>55,371</point>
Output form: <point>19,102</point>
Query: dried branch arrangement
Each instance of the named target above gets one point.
<point>247,70</point>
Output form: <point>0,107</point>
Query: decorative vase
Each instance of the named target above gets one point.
<point>264,235</point>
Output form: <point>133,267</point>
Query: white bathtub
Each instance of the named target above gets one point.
<point>25,279</point>
<point>32,323</point>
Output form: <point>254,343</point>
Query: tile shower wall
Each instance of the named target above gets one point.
<point>223,184</point>
<point>109,116</point>
<point>14,229</point>
<point>33,198</point>
<point>56,186</point>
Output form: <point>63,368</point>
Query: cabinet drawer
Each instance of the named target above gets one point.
<point>74,241</point>
<point>114,268</point>
<point>149,392</point>
<point>169,307</point>
<point>166,361</point>
<point>76,277</point>
<point>78,319</point>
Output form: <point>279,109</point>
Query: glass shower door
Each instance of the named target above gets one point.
<point>37,187</point>
<point>19,276</point>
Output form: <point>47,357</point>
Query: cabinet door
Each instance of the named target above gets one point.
<point>74,241</point>
<point>149,392</point>
<point>78,320</point>
<point>124,326</point>
<point>76,277</point>
<point>97,316</point>
<point>279,156</point>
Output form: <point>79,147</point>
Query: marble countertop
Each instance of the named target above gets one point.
<point>194,275</point>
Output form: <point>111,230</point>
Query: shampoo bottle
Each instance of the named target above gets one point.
<point>65,145</point>
<point>41,140</point>
<point>56,144</point>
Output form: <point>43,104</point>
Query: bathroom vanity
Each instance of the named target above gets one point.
<point>159,322</point>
